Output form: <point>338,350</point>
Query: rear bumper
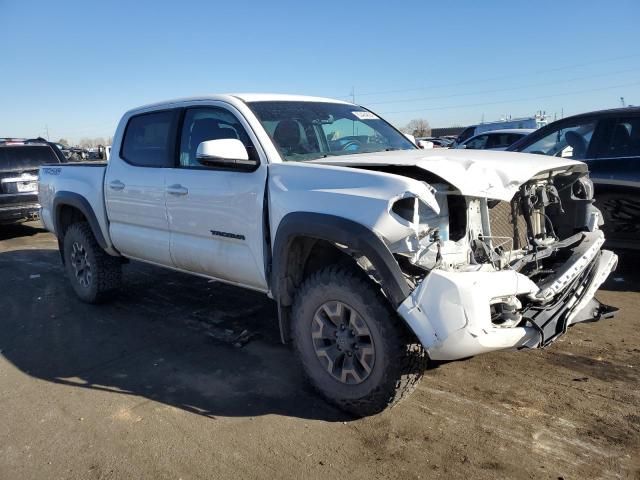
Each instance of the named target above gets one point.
<point>450,311</point>
<point>14,213</point>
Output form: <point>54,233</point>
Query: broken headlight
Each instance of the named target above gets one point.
<point>582,188</point>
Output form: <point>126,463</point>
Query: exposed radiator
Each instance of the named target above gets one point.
<point>502,224</point>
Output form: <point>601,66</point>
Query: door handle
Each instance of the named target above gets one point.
<point>177,189</point>
<point>116,185</point>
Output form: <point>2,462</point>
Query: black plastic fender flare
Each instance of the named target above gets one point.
<point>334,229</point>
<point>75,200</point>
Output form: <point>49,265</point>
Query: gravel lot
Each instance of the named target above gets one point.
<point>185,378</point>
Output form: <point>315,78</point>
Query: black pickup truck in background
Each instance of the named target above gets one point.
<point>19,163</point>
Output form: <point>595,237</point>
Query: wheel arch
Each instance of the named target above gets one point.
<point>299,233</point>
<point>69,207</point>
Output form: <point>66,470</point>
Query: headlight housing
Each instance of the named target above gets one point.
<point>582,188</point>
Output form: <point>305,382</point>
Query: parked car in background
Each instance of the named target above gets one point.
<point>75,154</point>
<point>437,142</point>
<point>94,153</point>
<point>19,163</point>
<point>495,140</point>
<point>609,142</point>
<point>539,120</point>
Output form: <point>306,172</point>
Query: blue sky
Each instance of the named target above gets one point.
<point>76,66</point>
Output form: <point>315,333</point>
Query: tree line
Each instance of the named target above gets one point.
<point>87,142</point>
<point>417,127</point>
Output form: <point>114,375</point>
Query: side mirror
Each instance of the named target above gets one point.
<point>226,153</point>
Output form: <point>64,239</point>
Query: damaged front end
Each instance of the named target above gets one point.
<point>493,274</point>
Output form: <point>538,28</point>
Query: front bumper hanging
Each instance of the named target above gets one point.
<point>450,311</point>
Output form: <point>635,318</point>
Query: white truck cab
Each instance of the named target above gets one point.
<point>379,255</point>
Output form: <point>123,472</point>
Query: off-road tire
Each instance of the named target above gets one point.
<point>106,270</point>
<point>400,360</point>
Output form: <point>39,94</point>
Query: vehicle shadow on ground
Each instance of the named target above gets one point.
<point>192,344</point>
<point>626,277</point>
<point>16,230</point>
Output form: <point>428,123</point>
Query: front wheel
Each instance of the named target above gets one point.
<point>354,349</point>
<point>94,274</point>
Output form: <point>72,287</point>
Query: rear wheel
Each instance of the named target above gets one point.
<point>94,274</point>
<point>354,349</point>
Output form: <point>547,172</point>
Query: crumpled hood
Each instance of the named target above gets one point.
<point>476,173</point>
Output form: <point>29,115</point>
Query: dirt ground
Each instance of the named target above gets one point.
<point>185,378</point>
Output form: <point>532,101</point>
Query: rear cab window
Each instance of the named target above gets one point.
<point>149,139</point>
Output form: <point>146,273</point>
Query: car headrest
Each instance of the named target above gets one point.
<point>287,134</point>
<point>577,142</point>
<point>621,136</point>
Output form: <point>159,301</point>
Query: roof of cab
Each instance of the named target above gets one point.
<point>280,97</point>
<point>244,97</point>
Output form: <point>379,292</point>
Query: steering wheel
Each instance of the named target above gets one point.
<point>352,143</point>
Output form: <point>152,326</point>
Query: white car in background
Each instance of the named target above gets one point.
<point>495,139</point>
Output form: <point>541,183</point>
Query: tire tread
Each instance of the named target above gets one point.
<point>108,271</point>
<point>408,358</point>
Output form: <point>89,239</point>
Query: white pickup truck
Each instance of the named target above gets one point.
<point>380,255</point>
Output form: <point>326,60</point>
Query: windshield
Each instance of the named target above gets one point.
<point>311,130</point>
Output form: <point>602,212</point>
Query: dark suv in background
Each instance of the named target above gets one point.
<point>19,163</point>
<point>609,142</point>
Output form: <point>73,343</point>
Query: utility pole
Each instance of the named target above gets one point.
<point>46,127</point>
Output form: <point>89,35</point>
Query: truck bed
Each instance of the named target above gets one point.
<point>82,180</point>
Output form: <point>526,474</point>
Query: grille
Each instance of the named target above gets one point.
<point>502,224</point>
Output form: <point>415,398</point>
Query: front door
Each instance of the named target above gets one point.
<point>216,215</point>
<point>135,189</point>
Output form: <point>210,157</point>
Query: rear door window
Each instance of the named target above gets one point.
<point>620,139</point>
<point>149,139</point>
<point>26,157</point>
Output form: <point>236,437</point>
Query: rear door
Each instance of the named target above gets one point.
<point>614,165</point>
<point>135,190</point>
<point>215,214</point>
